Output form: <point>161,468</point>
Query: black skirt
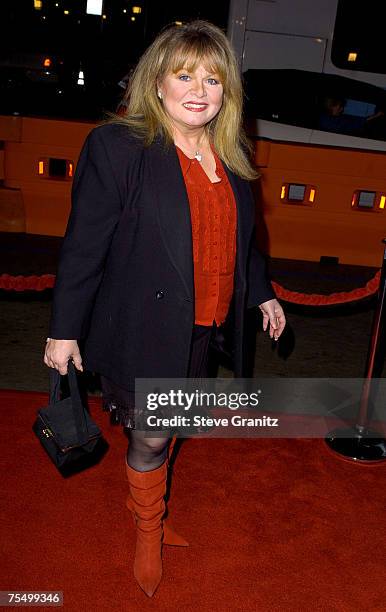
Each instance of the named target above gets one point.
<point>121,402</point>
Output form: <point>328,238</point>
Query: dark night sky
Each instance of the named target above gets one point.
<point>23,25</point>
<point>104,49</point>
<point>107,49</point>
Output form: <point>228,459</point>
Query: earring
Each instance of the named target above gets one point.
<point>159,95</point>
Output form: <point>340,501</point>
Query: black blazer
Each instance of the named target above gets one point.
<point>125,284</point>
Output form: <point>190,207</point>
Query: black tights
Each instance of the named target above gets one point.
<point>145,453</point>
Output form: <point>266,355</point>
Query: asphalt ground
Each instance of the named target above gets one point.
<point>319,342</point>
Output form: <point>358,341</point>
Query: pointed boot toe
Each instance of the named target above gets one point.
<point>148,567</point>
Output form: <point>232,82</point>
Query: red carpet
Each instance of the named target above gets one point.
<point>274,525</point>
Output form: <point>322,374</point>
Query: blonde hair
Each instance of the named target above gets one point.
<point>187,46</point>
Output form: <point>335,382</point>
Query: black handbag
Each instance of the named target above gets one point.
<point>64,427</point>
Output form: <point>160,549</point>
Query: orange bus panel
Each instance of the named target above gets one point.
<point>304,197</point>
<point>327,226</point>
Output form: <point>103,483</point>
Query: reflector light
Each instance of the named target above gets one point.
<point>56,168</point>
<point>370,201</point>
<point>366,199</point>
<point>296,192</point>
<point>47,62</point>
<point>178,23</point>
<point>352,56</point>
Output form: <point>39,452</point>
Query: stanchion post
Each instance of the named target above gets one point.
<point>376,333</point>
<point>360,443</point>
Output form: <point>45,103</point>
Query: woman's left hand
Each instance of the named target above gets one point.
<point>273,314</point>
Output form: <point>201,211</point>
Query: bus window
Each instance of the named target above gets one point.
<point>316,101</point>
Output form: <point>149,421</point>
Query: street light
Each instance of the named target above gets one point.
<point>94,7</point>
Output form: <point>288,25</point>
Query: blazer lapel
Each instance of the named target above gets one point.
<point>174,213</point>
<point>173,210</point>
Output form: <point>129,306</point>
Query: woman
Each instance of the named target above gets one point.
<point>158,250</point>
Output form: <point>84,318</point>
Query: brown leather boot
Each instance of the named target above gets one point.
<point>147,492</point>
<point>170,537</point>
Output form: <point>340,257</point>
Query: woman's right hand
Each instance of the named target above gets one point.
<point>59,352</point>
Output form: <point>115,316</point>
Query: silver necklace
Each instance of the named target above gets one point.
<point>197,155</point>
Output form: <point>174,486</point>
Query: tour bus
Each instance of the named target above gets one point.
<point>59,71</point>
<point>315,82</point>
<point>314,75</point>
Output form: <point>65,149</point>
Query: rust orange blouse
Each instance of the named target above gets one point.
<point>213,218</point>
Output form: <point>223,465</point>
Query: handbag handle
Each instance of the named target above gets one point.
<point>76,402</point>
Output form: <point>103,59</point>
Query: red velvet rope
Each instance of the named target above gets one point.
<point>340,297</point>
<point>26,283</point>
<point>46,281</point>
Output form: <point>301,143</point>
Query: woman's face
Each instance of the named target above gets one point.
<point>191,99</point>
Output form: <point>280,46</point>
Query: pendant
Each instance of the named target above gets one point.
<point>198,156</point>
